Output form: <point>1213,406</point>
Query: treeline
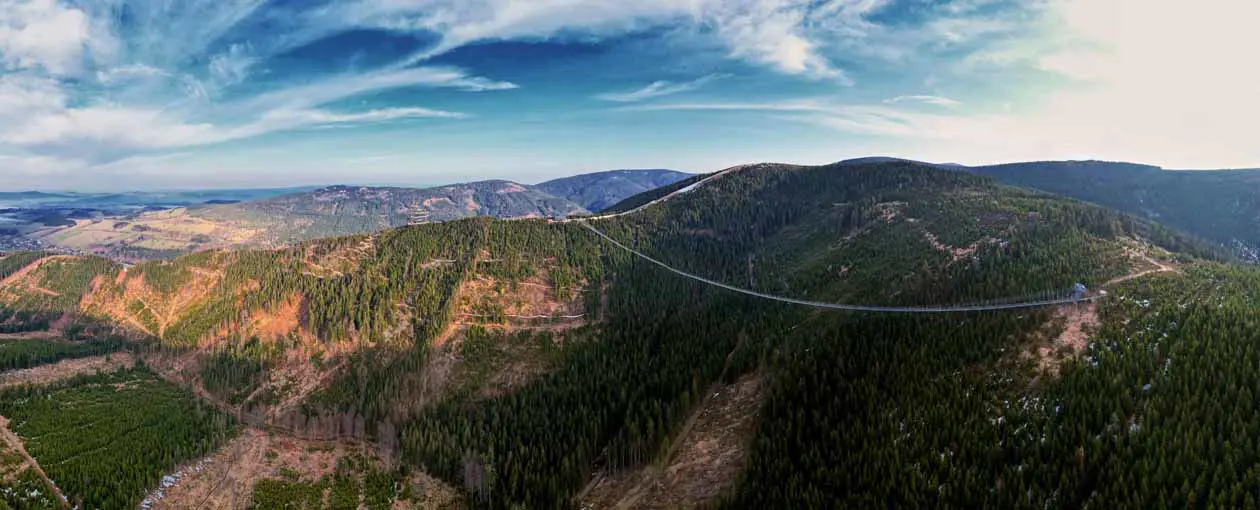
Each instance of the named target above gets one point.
<point>26,353</point>
<point>15,261</point>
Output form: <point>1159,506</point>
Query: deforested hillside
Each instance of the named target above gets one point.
<point>531,363</point>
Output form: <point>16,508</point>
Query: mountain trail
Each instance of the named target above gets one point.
<point>1159,268</point>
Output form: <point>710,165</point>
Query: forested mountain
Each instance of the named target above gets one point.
<point>1219,205</point>
<point>600,190</point>
<point>531,364</point>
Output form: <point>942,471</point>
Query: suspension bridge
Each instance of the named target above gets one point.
<point>1078,297</point>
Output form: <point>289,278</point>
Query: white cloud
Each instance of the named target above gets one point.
<point>286,119</point>
<point>104,133</point>
<point>858,119</point>
<point>34,169</point>
<point>1134,93</point>
<point>36,114</point>
<point>784,35</point>
<point>43,34</point>
<point>658,89</point>
<point>22,96</point>
<point>167,33</point>
<point>108,133</point>
<point>232,66</point>
<point>1152,80</point>
<point>925,99</point>
<point>349,85</point>
<point>123,74</point>
<point>773,33</point>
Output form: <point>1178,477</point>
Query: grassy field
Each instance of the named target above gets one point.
<point>107,439</point>
<point>175,229</point>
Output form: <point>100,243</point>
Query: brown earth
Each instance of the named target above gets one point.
<point>1066,335</point>
<point>12,464</point>
<point>957,253</point>
<point>704,462</point>
<point>25,279</point>
<point>530,304</point>
<point>65,369</point>
<point>115,301</point>
<point>226,479</point>
<point>889,211</point>
<point>278,322</point>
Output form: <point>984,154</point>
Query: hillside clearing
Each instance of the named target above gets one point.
<point>65,369</point>
<point>704,462</point>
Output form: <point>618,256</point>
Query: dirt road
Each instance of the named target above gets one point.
<point>1159,268</point>
<point>15,443</point>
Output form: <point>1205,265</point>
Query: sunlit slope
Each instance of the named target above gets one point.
<point>539,353</point>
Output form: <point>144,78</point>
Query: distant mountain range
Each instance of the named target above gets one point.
<point>341,210</point>
<point>1218,206</point>
<point>600,190</point>
<point>135,200</point>
<point>345,210</point>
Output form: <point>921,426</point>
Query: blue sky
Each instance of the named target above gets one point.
<point>141,94</point>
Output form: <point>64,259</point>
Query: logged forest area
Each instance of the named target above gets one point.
<point>529,363</point>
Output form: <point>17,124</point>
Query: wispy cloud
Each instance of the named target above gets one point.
<point>659,89</point>
<point>925,99</point>
<point>881,120</point>
<point>346,85</point>
<point>80,84</point>
<point>787,36</point>
<point>307,117</point>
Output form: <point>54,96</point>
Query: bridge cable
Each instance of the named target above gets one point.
<point>841,306</point>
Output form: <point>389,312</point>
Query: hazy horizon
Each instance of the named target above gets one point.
<point>298,184</point>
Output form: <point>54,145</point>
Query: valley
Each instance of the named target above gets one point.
<point>486,363</point>
<point>440,255</point>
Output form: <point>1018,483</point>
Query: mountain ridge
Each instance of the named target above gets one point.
<point>536,352</point>
<point>599,190</point>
